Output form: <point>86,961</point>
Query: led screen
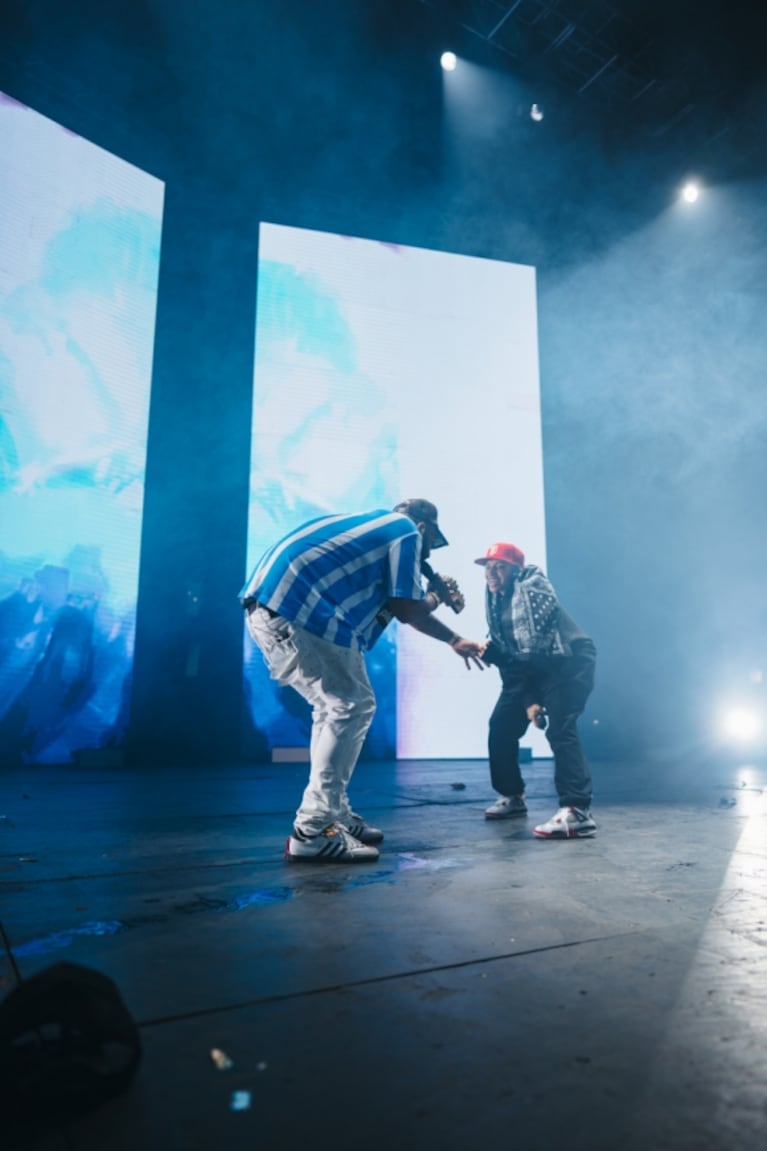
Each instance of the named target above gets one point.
<point>79,255</point>
<point>383,372</point>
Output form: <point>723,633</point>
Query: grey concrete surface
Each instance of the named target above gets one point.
<point>475,984</point>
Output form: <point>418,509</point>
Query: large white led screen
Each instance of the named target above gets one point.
<point>383,372</point>
<point>79,255</point>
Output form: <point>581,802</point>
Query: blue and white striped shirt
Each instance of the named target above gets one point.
<point>334,575</point>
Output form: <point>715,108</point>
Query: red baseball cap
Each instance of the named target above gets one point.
<point>506,553</point>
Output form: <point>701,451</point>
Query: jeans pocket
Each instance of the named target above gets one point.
<point>279,651</point>
<point>283,660</point>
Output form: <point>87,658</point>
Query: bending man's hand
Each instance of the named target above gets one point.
<point>469,651</point>
<point>417,614</point>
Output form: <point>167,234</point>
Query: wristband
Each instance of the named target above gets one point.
<point>455,640</point>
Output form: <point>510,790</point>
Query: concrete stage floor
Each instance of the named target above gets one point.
<point>474,987</point>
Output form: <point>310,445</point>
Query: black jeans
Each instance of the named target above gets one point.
<point>562,685</point>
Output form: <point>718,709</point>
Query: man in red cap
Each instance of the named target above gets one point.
<point>547,672</point>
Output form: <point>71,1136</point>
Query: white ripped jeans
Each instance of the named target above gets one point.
<point>334,680</point>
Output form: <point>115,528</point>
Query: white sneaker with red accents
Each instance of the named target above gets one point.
<point>567,823</point>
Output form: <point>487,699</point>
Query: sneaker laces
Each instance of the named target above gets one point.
<point>579,816</point>
<point>349,840</point>
<point>562,816</point>
<point>306,836</point>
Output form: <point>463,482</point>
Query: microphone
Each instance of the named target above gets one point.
<point>445,588</point>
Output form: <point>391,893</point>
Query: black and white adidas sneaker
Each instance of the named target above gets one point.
<point>333,845</point>
<point>361,829</point>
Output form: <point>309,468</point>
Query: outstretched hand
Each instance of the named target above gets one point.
<point>470,652</point>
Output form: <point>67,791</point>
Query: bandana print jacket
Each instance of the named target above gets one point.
<point>524,624</point>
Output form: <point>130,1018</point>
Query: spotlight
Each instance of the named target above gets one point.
<point>690,192</point>
<point>536,113</point>
<point>741,724</point>
<point>448,60</point>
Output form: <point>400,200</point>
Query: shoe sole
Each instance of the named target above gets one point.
<point>511,815</point>
<point>560,835</point>
<point>356,859</point>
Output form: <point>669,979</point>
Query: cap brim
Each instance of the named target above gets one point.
<point>482,560</point>
<point>437,538</point>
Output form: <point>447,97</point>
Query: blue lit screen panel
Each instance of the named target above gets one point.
<point>383,372</point>
<point>79,257</point>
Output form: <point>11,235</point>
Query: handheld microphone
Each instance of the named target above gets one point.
<point>445,588</point>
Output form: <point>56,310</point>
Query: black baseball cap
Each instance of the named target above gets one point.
<point>423,511</point>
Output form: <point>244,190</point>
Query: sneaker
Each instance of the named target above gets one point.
<point>333,845</point>
<point>567,823</point>
<point>506,807</point>
<point>361,830</point>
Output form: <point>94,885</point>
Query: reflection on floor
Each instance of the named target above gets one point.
<point>475,984</point>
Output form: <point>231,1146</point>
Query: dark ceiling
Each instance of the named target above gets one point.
<point>685,78</point>
<point>689,71</point>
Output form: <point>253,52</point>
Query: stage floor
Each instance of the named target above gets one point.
<point>475,986</point>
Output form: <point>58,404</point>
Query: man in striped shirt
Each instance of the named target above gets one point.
<point>317,600</point>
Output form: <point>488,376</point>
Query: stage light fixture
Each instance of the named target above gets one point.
<point>690,192</point>
<point>741,724</point>
<point>536,113</point>
<point>448,60</point>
